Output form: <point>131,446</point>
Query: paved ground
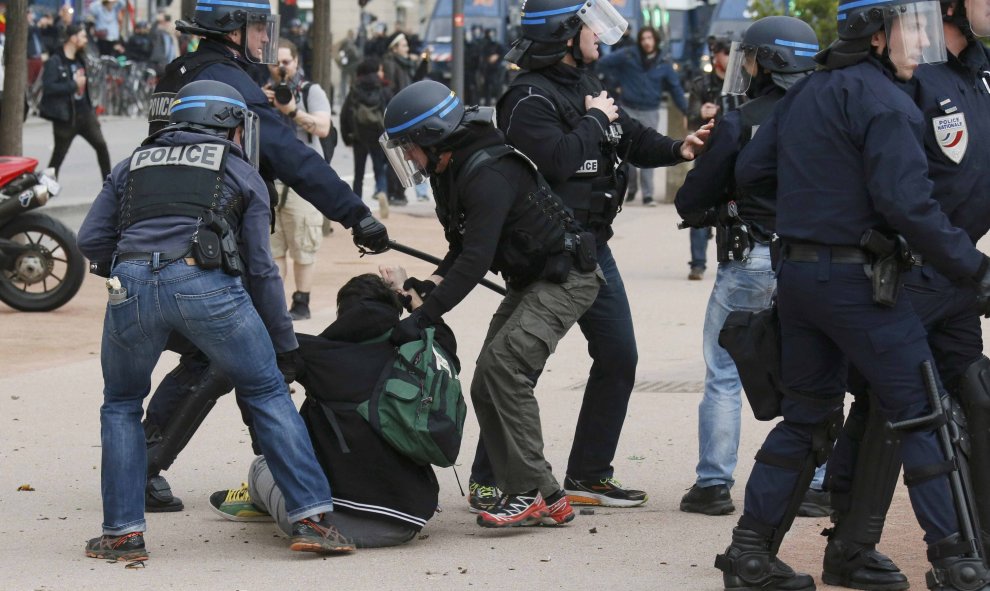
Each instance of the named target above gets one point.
<point>50,392</point>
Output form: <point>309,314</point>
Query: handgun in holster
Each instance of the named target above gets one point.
<point>733,241</point>
<point>890,256</point>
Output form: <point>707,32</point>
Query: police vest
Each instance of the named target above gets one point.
<point>758,204</point>
<point>526,245</point>
<point>596,190</point>
<point>177,180</point>
<point>180,72</point>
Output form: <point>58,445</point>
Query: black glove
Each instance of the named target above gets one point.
<point>371,234</point>
<point>291,364</point>
<point>699,219</point>
<point>983,288</point>
<point>409,329</point>
<point>423,288</point>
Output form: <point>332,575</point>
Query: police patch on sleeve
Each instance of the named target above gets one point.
<point>952,135</point>
<point>208,156</point>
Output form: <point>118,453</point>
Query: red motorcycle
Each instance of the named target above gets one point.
<point>41,267</point>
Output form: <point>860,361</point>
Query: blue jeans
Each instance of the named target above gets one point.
<point>214,311</point>
<point>699,247</point>
<point>379,163</point>
<point>608,327</point>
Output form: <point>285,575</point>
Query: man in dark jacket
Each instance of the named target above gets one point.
<point>361,124</point>
<point>381,497</point>
<point>66,101</point>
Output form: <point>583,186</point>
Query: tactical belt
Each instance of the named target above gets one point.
<point>163,257</point>
<point>811,253</point>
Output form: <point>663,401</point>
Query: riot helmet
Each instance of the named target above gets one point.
<point>777,44</point>
<point>547,25</point>
<point>972,17</point>
<point>259,28</point>
<point>913,28</point>
<point>215,108</point>
<point>429,117</point>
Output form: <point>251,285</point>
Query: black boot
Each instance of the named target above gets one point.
<point>860,566</point>
<point>300,306</point>
<point>748,566</point>
<point>158,496</point>
<point>955,573</point>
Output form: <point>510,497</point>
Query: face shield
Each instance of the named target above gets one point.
<point>401,155</point>
<point>261,38</point>
<point>251,138</point>
<point>914,35</point>
<point>602,18</point>
<point>739,70</point>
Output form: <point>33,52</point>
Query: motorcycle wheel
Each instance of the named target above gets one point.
<point>49,275</point>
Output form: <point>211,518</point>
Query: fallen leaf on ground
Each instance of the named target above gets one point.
<point>26,488</point>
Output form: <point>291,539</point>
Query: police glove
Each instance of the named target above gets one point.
<point>983,288</point>
<point>423,288</point>
<point>291,364</point>
<point>370,235</point>
<point>410,328</point>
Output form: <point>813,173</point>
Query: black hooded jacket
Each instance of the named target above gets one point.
<point>371,90</point>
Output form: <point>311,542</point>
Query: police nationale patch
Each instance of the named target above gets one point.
<point>952,135</point>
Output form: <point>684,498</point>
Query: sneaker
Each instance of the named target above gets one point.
<point>382,200</point>
<point>158,496</point>
<point>515,511</point>
<point>129,547</point>
<point>709,500</point>
<point>482,497</point>
<point>649,202</point>
<point>559,509</point>
<point>816,503</point>
<point>607,492</point>
<point>235,504</point>
<point>321,536</point>
<point>696,274</point>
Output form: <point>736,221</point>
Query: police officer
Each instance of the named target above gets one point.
<point>237,36</point>
<point>558,114</point>
<point>845,148</point>
<point>498,213</point>
<point>774,54</point>
<point>182,221</point>
<point>954,98</point>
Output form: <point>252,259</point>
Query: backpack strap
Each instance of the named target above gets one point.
<point>331,416</point>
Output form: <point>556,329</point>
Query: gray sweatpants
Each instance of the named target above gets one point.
<point>365,532</point>
<point>523,333</point>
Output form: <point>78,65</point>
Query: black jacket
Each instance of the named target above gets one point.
<point>371,479</point>
<point>58,101</point>
<point>369,90</point>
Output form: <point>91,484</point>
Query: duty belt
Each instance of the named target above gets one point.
<point>157,258</point>
<point>812,253</point>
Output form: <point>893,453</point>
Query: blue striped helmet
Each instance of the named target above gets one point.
<point>782,44</point>
<point>424,113</point>
<point>208,103</point>
<point>861,18</point>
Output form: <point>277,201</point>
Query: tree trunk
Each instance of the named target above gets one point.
<point>322,45</point>
<point>15,80</point>
<point>188,8</point>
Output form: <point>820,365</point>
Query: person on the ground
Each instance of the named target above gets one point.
<point>498,214</point>
<point>298,224</point>
<point>775,53</point>
<point>362,122</point>
<point>558,115</point>
<point>643,77</point>
<point>232,39</point>
<point>704,104</point>
<point>108,20</point>
<point>954,99</point>
<point>155,221</point>
<point>376,508</point>
<point>844,148</point>
<point>65,101</point>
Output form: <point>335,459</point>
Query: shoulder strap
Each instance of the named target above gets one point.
<point>538,81</point>
<point>304,89</point>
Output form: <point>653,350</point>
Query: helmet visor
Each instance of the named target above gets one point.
<point>738,72</point>
<point>914,35</point>
<point>251,139</point>
<point>400,153</point>
<point>261,38</point>
<point>602,18</point>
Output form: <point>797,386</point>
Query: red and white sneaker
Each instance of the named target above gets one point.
<point>520,510</point>
<point>559,510</point>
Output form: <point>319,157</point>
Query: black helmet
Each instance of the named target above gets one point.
<point>546,26</point>
<point>778,44</point>
<point>216,18</point>
<point>858,19</point>
<point>215,108</point>
<point>917,23</point>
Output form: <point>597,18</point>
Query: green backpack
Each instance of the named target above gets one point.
<point>417,405</point>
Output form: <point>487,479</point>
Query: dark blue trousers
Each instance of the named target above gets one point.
<point>828,320</point>
<point>608,327</point>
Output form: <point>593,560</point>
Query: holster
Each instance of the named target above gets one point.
<point>585,250</point>
<point>890,257</point>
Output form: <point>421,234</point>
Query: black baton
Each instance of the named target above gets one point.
<point>429,258</point>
